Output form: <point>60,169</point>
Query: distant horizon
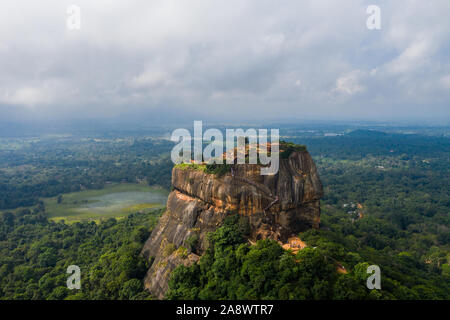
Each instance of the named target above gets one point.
<point>98,127</point>
<point>177,115</point>
<point>163,121</point>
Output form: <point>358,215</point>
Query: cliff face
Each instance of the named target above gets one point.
<point>277,207</point>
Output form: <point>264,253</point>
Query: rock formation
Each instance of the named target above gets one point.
<point>277,206</point>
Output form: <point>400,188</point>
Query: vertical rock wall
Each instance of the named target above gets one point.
<point>277,206</point>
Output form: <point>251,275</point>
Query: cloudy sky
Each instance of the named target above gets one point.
<point>253,59</point>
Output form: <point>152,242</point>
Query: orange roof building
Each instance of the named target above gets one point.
<point>295,244</point>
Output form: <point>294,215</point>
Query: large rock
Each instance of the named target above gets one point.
<point>277,206</point>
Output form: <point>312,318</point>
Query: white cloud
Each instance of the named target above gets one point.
<point>27,96</point>
<point>201,56</point>
<point>413,57</point>
<point>150,79</point>
<point>445,82</point>
<point>349,83</point>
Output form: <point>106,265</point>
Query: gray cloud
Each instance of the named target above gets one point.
<point>255,58</point>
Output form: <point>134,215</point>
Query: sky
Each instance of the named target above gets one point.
<point>234,59</point>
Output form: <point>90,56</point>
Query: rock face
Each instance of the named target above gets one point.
<point>277,206</point>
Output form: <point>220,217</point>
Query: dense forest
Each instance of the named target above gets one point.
<point>233,269</point>
<point>35,254</point>
<point>35,168</point>
<point>386,203</point>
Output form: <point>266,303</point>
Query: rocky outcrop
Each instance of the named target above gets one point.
<point>277,206</point>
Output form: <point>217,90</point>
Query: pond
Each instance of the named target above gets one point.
<point>121,201</point>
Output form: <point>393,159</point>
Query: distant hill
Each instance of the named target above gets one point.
<point>366,133</point>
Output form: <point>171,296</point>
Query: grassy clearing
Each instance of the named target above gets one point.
<point>116,201</point>
<point>216,169</point>
<point>193,166</point>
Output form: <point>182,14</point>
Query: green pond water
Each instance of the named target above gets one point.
<point>121,200</point>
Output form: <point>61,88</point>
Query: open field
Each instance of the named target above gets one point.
<point>114,201</point>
